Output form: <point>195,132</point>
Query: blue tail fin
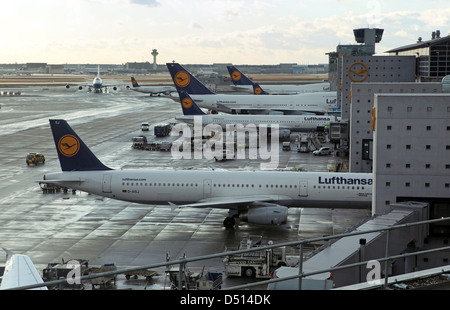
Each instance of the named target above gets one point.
<point>184,81</point>
<point>238,77</point>
<point>257,90</point>
<point>188,105</point>
<point>134,82</point>
<point>73,154</point>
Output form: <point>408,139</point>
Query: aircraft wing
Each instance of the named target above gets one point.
<point>229,202</point>
<point>20,271</point>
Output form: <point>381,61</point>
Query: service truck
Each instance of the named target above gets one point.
<point>259,263</point>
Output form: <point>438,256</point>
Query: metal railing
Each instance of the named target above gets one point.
<point>182,262</point>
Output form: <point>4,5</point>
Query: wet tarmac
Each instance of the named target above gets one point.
<point>54,226</point>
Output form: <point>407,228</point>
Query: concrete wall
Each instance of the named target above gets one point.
<point>365,69</point>
<point>362,102</point>
<point>411,148</point>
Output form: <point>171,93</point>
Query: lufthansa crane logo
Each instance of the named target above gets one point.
<point>358,72</point>
<point>187,103</point>
<point>236,76</point>
<point>182,79</point>
<point>258,91</point>
<point>69,145</point>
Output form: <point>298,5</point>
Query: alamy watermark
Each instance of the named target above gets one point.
<point>74,275</point>
<point>231,142</point>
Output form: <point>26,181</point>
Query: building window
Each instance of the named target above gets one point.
<point>428,147</point>
<point>408,146</point>
<point>388,165</point>
<point>408,127</point>
<point>427,184</point>
<point>407,184</point>
<point>388,147</point>
<point>429,109</point>
<point>408,166</point>
<point>388,184</point>
<point>408,109</point>
<point>427,166</point>
<point>428,128</point>
<point>389,127</point>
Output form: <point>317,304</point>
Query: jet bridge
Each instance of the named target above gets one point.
<point>365,247</point>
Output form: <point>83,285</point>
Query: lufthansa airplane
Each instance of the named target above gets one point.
<point>152,90</point>
<point>307,103</point>
<point>97,84</point>
<point>285,123</point>
<point>261,197</point>
<point>242,83</point>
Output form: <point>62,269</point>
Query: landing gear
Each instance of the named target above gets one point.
<point>232,219</point>
<point>229,222</point>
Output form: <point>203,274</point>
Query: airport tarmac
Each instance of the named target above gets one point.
<point>51,227</point>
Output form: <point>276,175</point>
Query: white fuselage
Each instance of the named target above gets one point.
<point>319,102</point>
<point>290,122</point>
<point>290,189</point>
<point>288,89</point>
<point>97,83</point>
<point>154,89</point>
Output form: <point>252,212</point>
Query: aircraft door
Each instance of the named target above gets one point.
<point>106,187</point>
<point>206,188</point>
<point>303,188</point>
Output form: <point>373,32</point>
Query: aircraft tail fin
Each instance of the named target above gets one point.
<point>184,81</point>
<point>238,77</point>
<point>73,154</point>
<point>134,82</point>
<point>257,90</point>
<point>188,105</point>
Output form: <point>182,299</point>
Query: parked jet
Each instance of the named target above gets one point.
<point>285,123</point>
<point>19,272</point>
<point>308,103</point>
<point>97,84</point>
<point>152,90</point>
<point>254,196</point>
<point>242,83</point>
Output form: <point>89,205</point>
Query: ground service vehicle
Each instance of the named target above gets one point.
<point>162,130</point>
<point>259,264</point>
<point>35,158</point>
<point>322,151</point>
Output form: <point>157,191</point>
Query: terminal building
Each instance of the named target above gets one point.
<point>396,124</point>
<point>432,56</point>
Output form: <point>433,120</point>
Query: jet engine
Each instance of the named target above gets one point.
<point>268,214</point>
<point>284,134</point>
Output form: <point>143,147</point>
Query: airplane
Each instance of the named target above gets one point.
<point>20,271</point>
<point>308,103</point>
<point>261,197</point>
<point>152,90</point>
<point>97,84</point>
<point>242,83</point>
<point>285,123</point>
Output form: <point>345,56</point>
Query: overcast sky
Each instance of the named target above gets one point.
<point>206,31</point>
